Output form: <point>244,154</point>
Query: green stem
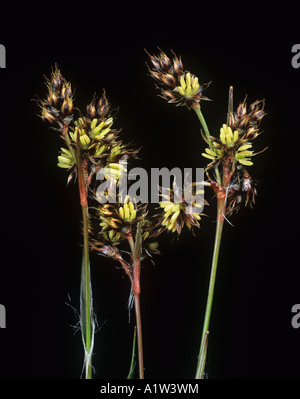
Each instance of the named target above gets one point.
<point>68,141</point>
<point>203,123</point>
<point>218,236</point>
<point>136,287</point>
<point>221,209</point>
<point>137,307</point>
<point>207,134</point>
<point>86,294</point>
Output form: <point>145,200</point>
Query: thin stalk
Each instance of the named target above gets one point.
<point>131,243</point>
<point>66,137</point>
<point>137,307</point>
<point>203,123</point>
<point>87,296</point>
<point>136,287</point>
<point>218,236</point>
<point>207,134</point>
<point>221,209</point>
<point>202,358</point>
<point>86,299</point>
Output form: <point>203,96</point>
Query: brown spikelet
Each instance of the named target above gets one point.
<point>57,108</point>
<point>168,74</point>
<point>247,119</point>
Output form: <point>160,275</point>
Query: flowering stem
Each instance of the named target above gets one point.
<point>86,300</point>
<point>131,243</point>
<point>203,123</point>
<point>66,137</point>
<point>221,209</point>
<point>221,206</point>
<point>137,307</point>
<point>220,221</point>
<point>136,287</point>
<point>198,111</point>
<point>218,236</point>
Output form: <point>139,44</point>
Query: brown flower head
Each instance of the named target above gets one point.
<point>247,119</point>
<point>175,84</point>
<point>120,217</point>
<point>57,108</point>
<point>179,213</point>
<point>243,191</point>
<point>236,137</point>
<point>233,152</point>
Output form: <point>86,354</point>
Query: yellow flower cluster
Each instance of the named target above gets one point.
<point>127,212</point>
<point>229,140</point>
<point>97,132</point>
<point>113,171</point>
<point>227,137</point>
<point>242,155</point>
<point>212,154</point>
<point>188,85</point>
<point>100,131</point>
<point>90,139</point>
<point>172,213</point>
<point>65,160</point>
<point>112,235</point>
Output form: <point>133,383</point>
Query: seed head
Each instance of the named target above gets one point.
<point>247,119</point>
<point>236,137</point>
<point>243,191</point>
<point>103,107</point>
<point>229,144</point>
<point>58,106</point>
<point>178,214</point>
<point>91,110</point>
<point>121,216</point>
<point>175,84</point>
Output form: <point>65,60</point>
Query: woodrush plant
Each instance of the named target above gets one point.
<point>230,154</point>
<point>111,220</point>
<point>127,222</point>
<point>89,141</point>
<point>122,227</point>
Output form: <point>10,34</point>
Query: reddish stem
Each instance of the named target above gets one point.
<point>137,277</point>
<point>136,287</point>
<point>82,175</point>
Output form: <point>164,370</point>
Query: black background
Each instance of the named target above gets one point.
<point>258,275</point>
